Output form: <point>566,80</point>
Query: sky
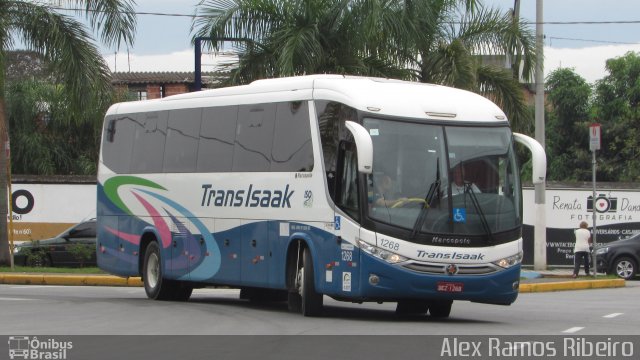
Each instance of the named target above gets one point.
<point>163,43</point>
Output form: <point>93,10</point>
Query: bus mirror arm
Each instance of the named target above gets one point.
<point>364,146</point>
<point>538,157</point>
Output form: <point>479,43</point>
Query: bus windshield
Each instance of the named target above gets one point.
<point>435,179</point>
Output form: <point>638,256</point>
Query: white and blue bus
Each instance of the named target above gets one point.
<point>291,189</point>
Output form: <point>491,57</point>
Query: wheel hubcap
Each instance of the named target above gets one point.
<point>153,270</point>
<point>300,280</point>
<point>624,269</point>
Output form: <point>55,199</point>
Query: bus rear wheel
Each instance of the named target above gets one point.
<point>155,285</point>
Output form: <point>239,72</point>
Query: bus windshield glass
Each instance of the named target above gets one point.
<point>435,179</point>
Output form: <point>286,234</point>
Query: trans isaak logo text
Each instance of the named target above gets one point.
<point>252,197</point>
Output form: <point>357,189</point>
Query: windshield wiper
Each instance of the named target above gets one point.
<point>476,204</point>
<point>434,189</point>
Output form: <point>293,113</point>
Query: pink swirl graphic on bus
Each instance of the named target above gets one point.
<point>205,262</point>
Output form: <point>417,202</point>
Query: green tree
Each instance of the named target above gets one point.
<point>25,65</point>
<point>292,37</point>
<point>437,41</point>
<point>617,108</point>
<point>567,126</point>
<point>67,46</point>
<point>44,138</point>
<point>447,41</point>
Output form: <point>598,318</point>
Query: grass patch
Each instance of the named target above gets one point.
<point>605,276</point>
<point>51,270</point>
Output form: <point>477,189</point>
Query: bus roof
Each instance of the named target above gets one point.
<point>375,95</point>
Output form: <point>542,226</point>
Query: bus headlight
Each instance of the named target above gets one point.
<point>509,261</point>
<point>386,255</point>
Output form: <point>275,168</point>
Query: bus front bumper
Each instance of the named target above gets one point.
<point>391,282</point>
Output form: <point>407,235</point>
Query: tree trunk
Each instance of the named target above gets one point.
<point>5,254</point>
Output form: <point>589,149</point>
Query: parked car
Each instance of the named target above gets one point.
<point>620,257</point>
<point>75,247</point>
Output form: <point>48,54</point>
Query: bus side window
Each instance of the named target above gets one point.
<point>118,145</point>
<point>292,150</point>
<point>183,135</point>
<point>217,139</point>
<point>148,143</point>
<point>347,196</point>
<point>331,117</point>
<point>254,138</point>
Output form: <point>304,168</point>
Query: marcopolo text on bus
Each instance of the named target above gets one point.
<point>247,198</point>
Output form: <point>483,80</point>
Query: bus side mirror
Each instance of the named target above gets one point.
<point>538,157</point>
<point>364,146</point>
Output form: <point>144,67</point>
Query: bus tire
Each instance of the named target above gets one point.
<point>294,298</point>
<point>156,287</point>
<point>181,290</point>
<point>412,307</point>
<point>311,300</point>
<point>440,309</point>
<point>294,302</point>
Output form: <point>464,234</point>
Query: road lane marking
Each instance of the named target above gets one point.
<point>573,330</point>
<point>611,316</point>
<point>31,287</point>
<point>14,299</point>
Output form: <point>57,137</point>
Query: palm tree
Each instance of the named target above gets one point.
<point>66,44</point>
<point>448,40</point>
<point>292,37</point>
<point>437,41</point>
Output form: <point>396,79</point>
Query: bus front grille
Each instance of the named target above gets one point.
<point>441,269</point>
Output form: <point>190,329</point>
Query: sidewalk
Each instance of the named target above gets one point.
<point>561,279</point>
<point>532,281</point>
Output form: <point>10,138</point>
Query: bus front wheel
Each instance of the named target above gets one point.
<point>440,309</point>
<point>305,299</point>
<point>412,307</point>
<point>311,300</point>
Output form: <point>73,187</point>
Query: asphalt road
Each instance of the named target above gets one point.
<point>72,310</point>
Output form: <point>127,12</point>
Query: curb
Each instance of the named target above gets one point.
<point>72,280</point>
<point>108,280</point>
<point>572,285</point>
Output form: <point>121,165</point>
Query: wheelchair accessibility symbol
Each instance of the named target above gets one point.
<point>459,215</point>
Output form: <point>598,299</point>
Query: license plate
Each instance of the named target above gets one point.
<point>450,287</point>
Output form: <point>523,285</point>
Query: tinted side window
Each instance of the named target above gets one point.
<point>117,143</point>
<point>347,197</point>
<point>292,150</point>
<point>331,122</point>
<point>183,135</point>
<point>217,139</point>
<point>87,229</point>
<point>148,142</point>
<point>254,137</point>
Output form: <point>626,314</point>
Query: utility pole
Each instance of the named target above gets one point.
<point>540,230</point>
<point>594,145</point>
<point>197,80</point>
<point>509,58</point>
